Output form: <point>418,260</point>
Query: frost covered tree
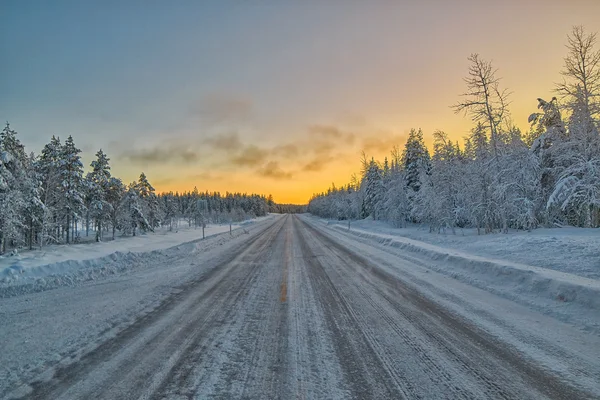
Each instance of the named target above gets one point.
<point>149,201</point>
<point>484,101</point>
<point>416,165</point>
<point>48,170</point>
<point>34,209</point>
<point>115,192</point>
<point>580,87</point>
<point>372,185</point>
<point>438,200</point>
<point>132,218</point>
<point>71,203</point>
<point>575,158</point>
<point>13,185</point>
<point>170,210</point>
<point>98,186</point>
<point>415,160</point>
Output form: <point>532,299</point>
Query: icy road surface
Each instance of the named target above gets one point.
<point>289,311</point>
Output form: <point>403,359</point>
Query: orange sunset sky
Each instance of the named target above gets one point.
<point>263,96</point>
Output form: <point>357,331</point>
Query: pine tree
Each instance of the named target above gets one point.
<point>48,169</point>
<point>373,187</point>
<point>99,181</point>
<point>149,201</point>
<point>13,185</point>
<point>132,215</point>
<point>115,193</point>
<point>415,160</point>
<point>71,173</point>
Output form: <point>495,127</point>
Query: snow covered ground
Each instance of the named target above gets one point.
<point>572,250</point>
<point>59,265</point>
<point>556,271</point>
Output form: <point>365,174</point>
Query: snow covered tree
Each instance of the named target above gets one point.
<point>48,170</point>
<point>415,160</point>
<point>395,201</point>
<point>373,188</point>
<point>169,207</point>
<point>34,209</point>
<point>439,197</point>
<point>114,195</point>
<point>132,216</point>
<point>99,181</point>
<point>13,185</point>
<point>149,201</point>
<point>484,101</point>
<point>71,174</point>
<point>581,85</point>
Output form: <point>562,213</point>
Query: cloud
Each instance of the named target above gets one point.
<point>225,141</point>
<point>382,143</point>
<point>326,131</point>
<point>317,164</point>
<point>250,156</point>
<point>330,132</point>
<point>219,108</point>
<point>202,176</point>
<point>286,150</point>
<point>176,153</point>
<point>163,181</point>
<point>273,170</point>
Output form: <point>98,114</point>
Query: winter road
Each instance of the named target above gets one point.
<point>294,311</point>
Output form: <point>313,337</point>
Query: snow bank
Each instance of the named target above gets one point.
<point>67,265</point>
<point>511,279</point>
<point>572,250</point>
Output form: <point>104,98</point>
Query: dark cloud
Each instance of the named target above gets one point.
<point>219,108</point>
<point>225,141</point>
<point>176,153</point>
<point>250,156</point>
<point>274,171</point>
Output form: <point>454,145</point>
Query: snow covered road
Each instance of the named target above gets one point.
<point>289,311</point>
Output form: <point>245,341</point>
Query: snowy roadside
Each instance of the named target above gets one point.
<point>557,292</point>
<point>61,265</point>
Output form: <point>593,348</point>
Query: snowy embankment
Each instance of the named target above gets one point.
<point>61,265</point>
<point>569,283</point>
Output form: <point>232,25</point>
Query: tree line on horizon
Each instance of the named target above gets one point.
<point>47,199</point>
<point>500,177</point>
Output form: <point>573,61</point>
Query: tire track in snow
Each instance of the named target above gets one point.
<point>468,347</point>
<point>188,297</point>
